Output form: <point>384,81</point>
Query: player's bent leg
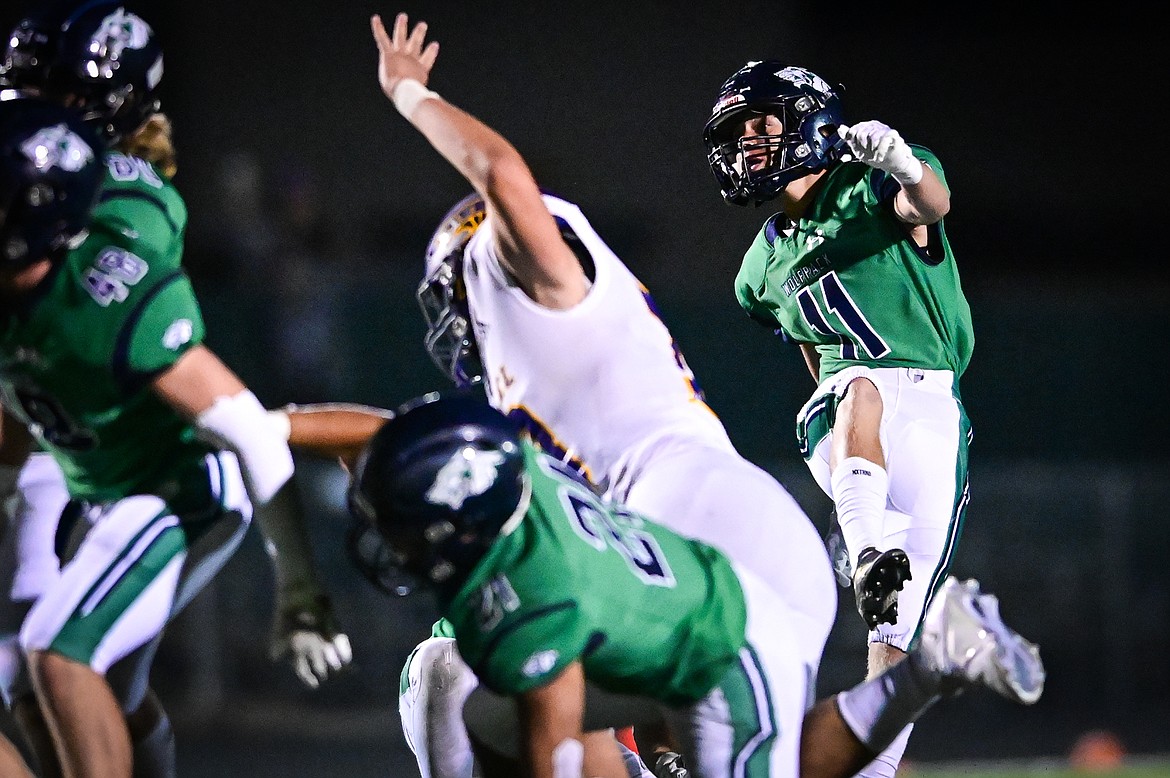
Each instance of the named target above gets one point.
<point>723,499</point>
<point>750,724</point>
<point>435,684</point>
<point>112,597</point>
<point>927,465</point>
<point>84,718</point>
<point>137,565</point>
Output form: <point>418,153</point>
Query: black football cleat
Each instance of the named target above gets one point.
<point>878,578</point>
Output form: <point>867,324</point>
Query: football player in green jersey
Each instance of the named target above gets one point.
<point>856,268</point>
<point>578,615</point>
<point>47,146</point>
<point>163,510</point>
<point>105,62</point>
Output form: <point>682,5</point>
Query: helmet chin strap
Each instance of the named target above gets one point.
<point>521,508</point>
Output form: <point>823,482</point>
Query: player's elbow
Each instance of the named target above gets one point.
<point>503,170</point>
<point>940,206</point>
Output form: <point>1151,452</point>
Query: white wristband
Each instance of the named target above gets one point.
<point>240,423</point>
<point>910,173</point>
<point>408,93</point>
<point>281,423</point>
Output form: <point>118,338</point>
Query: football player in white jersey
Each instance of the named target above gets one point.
<point>566,339</point>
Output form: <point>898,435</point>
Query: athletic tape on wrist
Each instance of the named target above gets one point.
<point>408,93</point>
<point>281,423</point>
<point>243,425</point>
<point>911,175</point>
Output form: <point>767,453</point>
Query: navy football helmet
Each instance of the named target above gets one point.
<point>439,481</point>
<point>98,56</point>
<point>806,105</point>
<point>449,339</point>
<point>50,173</point>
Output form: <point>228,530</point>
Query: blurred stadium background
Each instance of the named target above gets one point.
<point>311,202</point>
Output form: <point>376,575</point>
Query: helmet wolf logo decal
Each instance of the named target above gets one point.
<point>468,473</point>
<point>57,146</point>
<point>120,30</point>
<point>802,77</point>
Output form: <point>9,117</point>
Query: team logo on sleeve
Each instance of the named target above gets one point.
<point>468,473</point>
<point>540,663</point>
<point>57,147</point>
<point>178,334</point>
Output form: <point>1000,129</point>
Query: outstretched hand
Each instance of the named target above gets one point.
<point>402,56</point>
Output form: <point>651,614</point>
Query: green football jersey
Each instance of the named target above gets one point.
<point>76,360</point>
<point>645,610</point>
<point>848,278</point>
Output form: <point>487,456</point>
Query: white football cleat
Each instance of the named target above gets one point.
<point>965,640</point>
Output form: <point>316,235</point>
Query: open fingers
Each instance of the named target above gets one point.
<point>399,37</point>
<point>430,53</point>
<point>379,30</point>
<point>417,36</point>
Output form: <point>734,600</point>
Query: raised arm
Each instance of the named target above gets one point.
<point>923,199</point>
<point>527,239</point>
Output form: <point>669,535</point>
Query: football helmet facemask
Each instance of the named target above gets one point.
<point>98,56</point>
<point>443,298</point>
<point>805,104</point>
<point>50,173</point>
<point>439,482</point>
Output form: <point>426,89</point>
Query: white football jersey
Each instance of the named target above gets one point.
<point>603,384</point>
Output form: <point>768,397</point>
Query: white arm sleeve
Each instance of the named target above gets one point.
<point>242,424</point>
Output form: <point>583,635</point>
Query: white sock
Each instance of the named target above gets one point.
<point>885,765</point>
<point>860,491</point>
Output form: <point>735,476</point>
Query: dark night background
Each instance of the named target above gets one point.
<point>311,201</point>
